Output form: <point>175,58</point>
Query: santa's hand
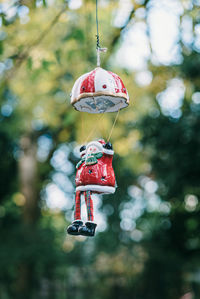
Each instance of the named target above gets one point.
<point>108,146</point>
<point>82,148</point>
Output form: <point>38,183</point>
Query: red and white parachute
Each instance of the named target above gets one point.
<point>99,91</point>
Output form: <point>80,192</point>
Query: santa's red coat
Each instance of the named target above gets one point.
<point>98,178</point>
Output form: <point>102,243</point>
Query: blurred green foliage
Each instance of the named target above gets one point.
<point>150,246</point>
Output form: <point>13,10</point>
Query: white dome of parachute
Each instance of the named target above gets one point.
<point>99,91</point>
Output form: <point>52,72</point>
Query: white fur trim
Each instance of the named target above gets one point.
<point>96,188</point>
<point>108,151</point>
<point>96,143</point>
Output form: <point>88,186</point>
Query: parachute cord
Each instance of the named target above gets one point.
<point>95,127</point>
<point>82,126</point>
<point>114,123</point>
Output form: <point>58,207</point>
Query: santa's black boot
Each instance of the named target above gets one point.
<point>73,229</point>
<point>88,229</point>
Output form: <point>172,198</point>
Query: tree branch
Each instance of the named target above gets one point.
<point>22,56</point>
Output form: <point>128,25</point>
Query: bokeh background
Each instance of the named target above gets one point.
<point>147,244</point>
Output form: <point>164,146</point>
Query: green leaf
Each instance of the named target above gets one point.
<point>4,21</point>
<point>69,119</point>
<point>46,64</point>
<point>1,47</point>
<point>44,3</point>
<point>58,56</point>
<point>29,63</point>
<point>76,34</point>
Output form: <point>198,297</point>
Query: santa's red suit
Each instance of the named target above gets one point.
<point>98,175</point>
<point>95,174</point>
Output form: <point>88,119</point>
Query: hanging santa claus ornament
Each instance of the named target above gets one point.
<point>94,174</point>
<point>98,91</point>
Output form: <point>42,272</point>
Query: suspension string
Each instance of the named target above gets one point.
<point>97,36</point>
<point>114,123</point>
<point>102,129</point>
<point>95,127</point>
<point>98,47</point>
<point>97,23</point>
<point>82,127</point>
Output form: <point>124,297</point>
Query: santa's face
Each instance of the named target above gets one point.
<point>92,149</point>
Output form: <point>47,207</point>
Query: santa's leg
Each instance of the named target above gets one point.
<point>73,229</point>
<point>89,228</point>
<point>89,205</point>
<point>77,211</point>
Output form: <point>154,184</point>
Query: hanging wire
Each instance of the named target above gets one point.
<point>97,23</point>
<point>114,123</point>
<point>97,36</point>
<point>82,126</point>
<point>98,47</point>
<point>95,127</point>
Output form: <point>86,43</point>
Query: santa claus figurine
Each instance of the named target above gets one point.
<point>94,174</point>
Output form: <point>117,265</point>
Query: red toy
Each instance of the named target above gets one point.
<point>95,174</point>
<point>99,91</point>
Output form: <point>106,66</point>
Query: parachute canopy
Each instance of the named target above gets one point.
<point>99,91</point>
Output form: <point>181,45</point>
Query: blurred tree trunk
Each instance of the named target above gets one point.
<point>29,178</point>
